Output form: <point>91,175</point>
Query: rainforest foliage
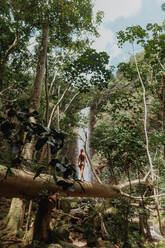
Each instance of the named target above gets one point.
<point>49,72</point>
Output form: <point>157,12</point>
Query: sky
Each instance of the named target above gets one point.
<point>119,14</point>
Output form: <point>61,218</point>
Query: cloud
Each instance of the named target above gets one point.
<point>106,38</point>
<point>107,42</point>
<point>160,1</point>
<point>115,51</point>
<point>114,9</point>
<point>32,44</point>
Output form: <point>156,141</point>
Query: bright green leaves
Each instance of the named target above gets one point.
<point>91,68</point>
<point>64,17</point>
<point>138,34</point>
<point>131,34</point>
<point>128,70</point>
<point>99,16</point>
<point>163,6</point>
<point>121,142</point>
<point>151,64</point>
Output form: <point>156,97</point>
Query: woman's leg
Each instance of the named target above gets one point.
<point>82,170</point>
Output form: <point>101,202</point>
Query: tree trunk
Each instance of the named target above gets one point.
<point>23,185</point>
<point>126,231</point>
<point>146,225</point>
<point>4,59</point>
<point>37,89</point>
<point>41,225</point>
<point>14,218</point>
<point>141,225</point>
<point>16,213</point>
<point>29,215</point>
<point>58,111</point>
<point>1,74</point>
<point>163,108</point>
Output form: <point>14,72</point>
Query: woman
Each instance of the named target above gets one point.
<point>81,163</point>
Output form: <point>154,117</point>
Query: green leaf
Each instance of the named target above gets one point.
<point>65,185</point>
<point>39,171</point>
<point>163,6</point>
<point>9,172</point>
<point>16,162</point>
<point>40,143</point>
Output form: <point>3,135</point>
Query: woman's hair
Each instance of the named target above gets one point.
<point>81,150</point>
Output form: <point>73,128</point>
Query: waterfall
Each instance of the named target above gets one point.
<point>84,113</point>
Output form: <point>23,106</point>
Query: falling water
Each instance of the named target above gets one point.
<point>80,144</point>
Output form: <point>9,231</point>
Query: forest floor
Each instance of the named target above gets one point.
<point>5,242</point>
<point>75,237</point>
<point>4,206</point>
<point>68,228</point>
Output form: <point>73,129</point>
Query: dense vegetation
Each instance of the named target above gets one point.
<point>48,73</point>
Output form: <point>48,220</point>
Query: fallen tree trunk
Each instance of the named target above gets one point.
<point>22,185</point>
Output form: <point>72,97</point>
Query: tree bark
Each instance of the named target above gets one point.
<point>4,59</point>
<point>163,108</point>
<point>42,220</point>
<point>141,225</point>
<point>13,220</point>
<point>29,215</point>
<point>37,89</point>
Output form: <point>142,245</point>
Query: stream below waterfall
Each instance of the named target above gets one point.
<point>82,130</point>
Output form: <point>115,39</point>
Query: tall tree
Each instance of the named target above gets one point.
<point>58,22</point>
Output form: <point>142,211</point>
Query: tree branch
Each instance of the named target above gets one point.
<point>147,144</point>
<point>9,50</point>
<point>21,184</point>
<point>56,105</point>
<point>71,101</point>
